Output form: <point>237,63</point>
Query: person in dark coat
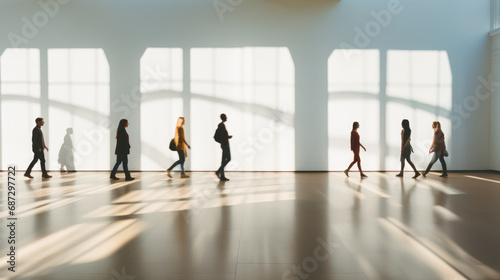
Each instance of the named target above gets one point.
<point>224,145</point>
<point>122,150</point>
<point>38,144</point>
<point>406,149</point>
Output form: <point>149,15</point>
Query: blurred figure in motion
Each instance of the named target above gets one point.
<point>180,147</point>
<point>66,157</point>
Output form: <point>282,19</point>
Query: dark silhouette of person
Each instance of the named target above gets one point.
<point>66,157</point>
<point>224,137</point>
<point>38,144</point>
<point>438,147</point>
<point>355,145</point>
<point>180,147</point>
<point>406,148</point>
<point>122,150</point>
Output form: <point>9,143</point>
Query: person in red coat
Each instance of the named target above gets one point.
<point>355,145</point>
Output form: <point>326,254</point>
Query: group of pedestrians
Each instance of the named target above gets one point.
<point>179,144</point>
<point>122,149</point>
<point>438,147</point>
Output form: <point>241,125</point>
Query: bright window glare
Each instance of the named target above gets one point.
<point>20,89</point>
<point>358,72</point>
<point>161,69</point>
<point>421,76</point>
<point>354,84</point>
<point>162,104</point>
<point>79,89</point>
<point>255,88</point>
<point>419,86</point>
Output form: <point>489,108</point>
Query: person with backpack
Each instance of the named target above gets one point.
<point>180,146</point>
<point>222,136</point>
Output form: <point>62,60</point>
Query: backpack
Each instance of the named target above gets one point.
<point>172,146</point>
<point>218,136</point>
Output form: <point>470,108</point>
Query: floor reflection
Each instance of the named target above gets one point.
<point>262,225</point>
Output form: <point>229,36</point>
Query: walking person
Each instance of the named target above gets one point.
<point>355,145</point>
<point>66,157</point>
<point>38,144</point>
<point>406,149</point>
<point>122,150</point>
<point>438,147</point>
<point>180,146</point>
<point>222,136</point>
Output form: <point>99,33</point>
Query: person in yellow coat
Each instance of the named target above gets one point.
<point>180,145</point>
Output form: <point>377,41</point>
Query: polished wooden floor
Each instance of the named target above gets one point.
<point>257,226</point>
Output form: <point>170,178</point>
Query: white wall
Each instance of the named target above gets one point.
<point>491,89</point>
<point>310,30</point>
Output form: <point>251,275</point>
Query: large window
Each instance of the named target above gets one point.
<point>162,104</point>
<point>354,88</point>
<point>379,89</point>
<point>255,88</point>
<point>495,14</point>
<point>69,88</point>
<point>79,85</point>
<point>20,104</point>
<point>419,88</point>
